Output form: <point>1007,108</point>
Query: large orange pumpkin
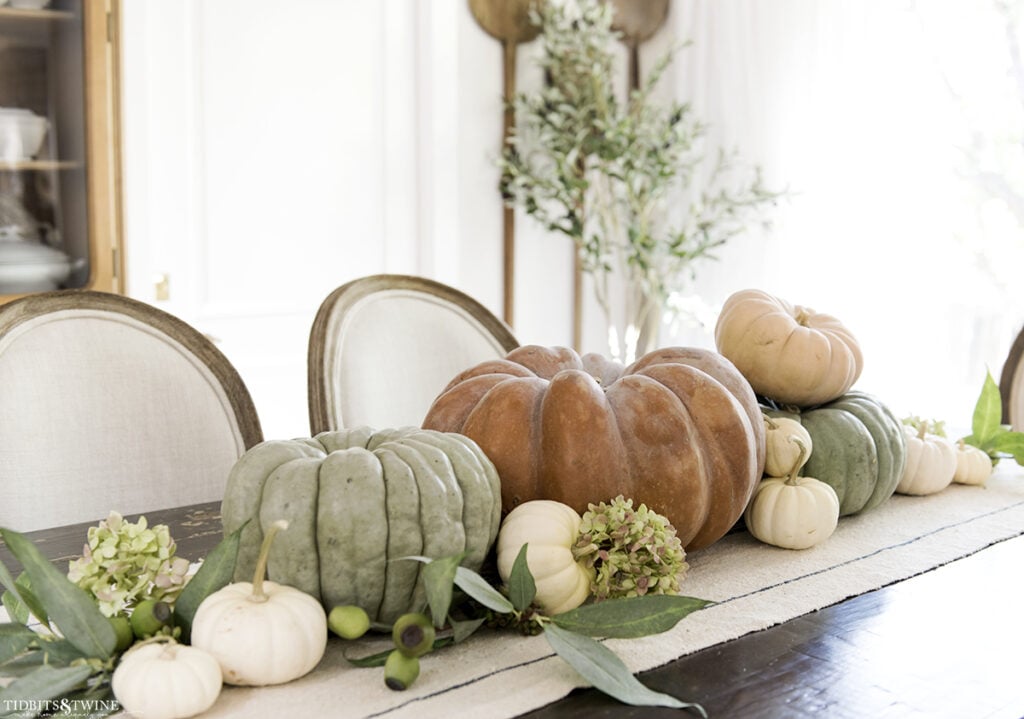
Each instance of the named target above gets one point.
<point>678,430</point>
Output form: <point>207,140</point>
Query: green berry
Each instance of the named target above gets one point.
<point>123,629</point>
<point>348,621</point>
<point>413,634</point>
<point>400,671</point>
<point>150,617</point>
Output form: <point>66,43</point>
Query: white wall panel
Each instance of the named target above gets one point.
<point>275,151</point>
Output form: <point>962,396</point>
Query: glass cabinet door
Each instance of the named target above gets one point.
<point>58,146</point>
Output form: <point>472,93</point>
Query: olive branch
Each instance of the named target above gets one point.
<point>606,173</point>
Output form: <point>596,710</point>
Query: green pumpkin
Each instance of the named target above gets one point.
<point>859,449</point>
<point>356,501</point>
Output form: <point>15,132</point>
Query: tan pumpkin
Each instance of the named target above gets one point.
<point>678,430</point>
<point>788,353</point>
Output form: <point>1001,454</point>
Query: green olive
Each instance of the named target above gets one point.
<point>400,671</point>
<point>123,629</point>
<point>348,621</point>
<point>413,634</point>
<point>149,617</point>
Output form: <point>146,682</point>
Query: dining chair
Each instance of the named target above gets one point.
<point>383,347</point>
<point>107,403</point>
<point>1011,385</point>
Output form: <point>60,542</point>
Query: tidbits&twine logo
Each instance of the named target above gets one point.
<point>64,707</point>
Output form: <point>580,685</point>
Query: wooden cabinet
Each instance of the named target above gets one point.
<point>60,62</point>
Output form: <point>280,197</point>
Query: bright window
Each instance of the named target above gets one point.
<point>898,128</point>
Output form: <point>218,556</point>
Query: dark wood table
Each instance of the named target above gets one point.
<point>946,643</point>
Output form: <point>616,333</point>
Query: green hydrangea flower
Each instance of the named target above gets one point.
<point>634,551</point>
<point>124,563</point>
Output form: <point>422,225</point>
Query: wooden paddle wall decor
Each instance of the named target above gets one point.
<point>508,21</point>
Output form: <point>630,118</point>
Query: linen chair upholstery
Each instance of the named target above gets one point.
<point>107,403</point>
<point>1011,385</point>
<point>383,347</point>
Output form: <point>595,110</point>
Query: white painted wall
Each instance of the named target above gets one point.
<point>274,151</point>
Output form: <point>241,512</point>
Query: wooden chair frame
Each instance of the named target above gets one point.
<point>1011,385</point>
<point>44,303</point>
<point>323,335</point>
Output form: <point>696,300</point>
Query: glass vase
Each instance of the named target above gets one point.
<point>632,313</point>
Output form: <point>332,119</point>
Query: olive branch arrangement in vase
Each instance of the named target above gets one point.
<point>628,182</point>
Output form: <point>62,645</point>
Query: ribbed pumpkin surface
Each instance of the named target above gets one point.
<point>789,353</point>
<point>859,449</point>
<point>678,430</point>
<point>355,501</point>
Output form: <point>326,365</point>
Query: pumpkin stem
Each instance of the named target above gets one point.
<point>772,424</point>
<point>169,651</point>
<point>258,595</point>
<point>923,429</point>
<point>805,453</point>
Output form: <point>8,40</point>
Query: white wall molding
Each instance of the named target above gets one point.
<point>438,123</point>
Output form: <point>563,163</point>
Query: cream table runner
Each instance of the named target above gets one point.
<point>755,586</point>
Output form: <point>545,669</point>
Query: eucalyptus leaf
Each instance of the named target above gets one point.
<point>7,580</point>
<point>521,587</point>
<point>1009,443</point>
<point>16,608</point>
<point>15,639</point>
<point>42,684</point>
<point>22,665</point>
<point>60,651</point>
<point>213,574</point>
<point>378,659</point>
<point>477,587</point>
<point>438,579</point>
<point>30,603</point>
<point>68,605</point>
<point>462,630</point>
<point>601,667</point>
<point>988,434</point>
<point>18,600</point>
<point>371,660</point>
<point>630,617</point>
<point>988,412</point>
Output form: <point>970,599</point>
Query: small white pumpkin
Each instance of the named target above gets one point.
<point>793,512</point>
<point>161,679</point>
<point>261,632</point>
<point>973,465</point>
<point>549,529</point>
<point>931,462</point>
<point>780,451</point>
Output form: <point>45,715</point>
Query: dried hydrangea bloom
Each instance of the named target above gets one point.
<point>633,551</point>
<point>123,563</point>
